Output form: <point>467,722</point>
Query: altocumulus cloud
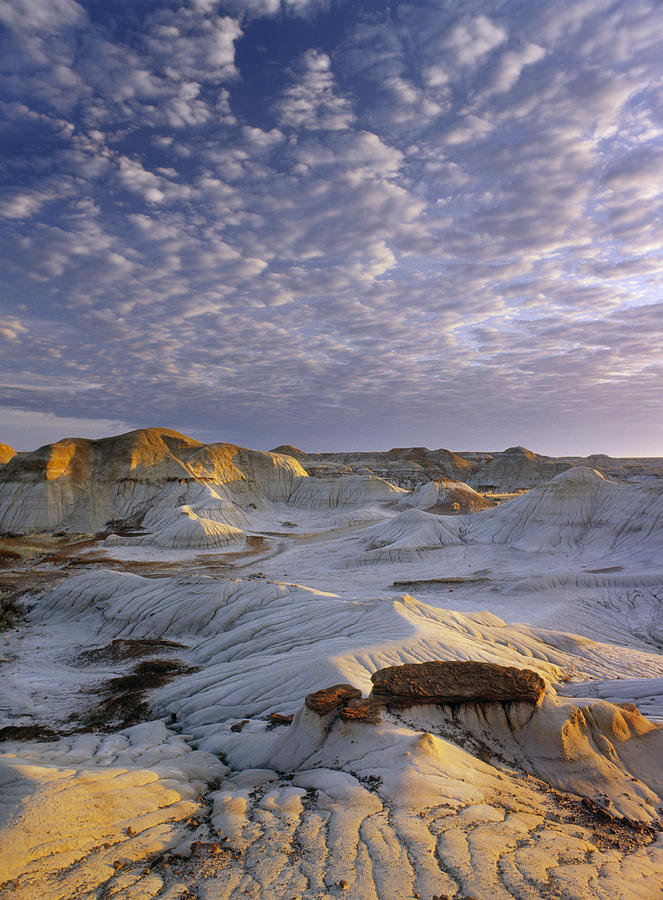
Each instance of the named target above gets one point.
<point>338,223</point>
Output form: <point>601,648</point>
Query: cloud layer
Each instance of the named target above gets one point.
<point>337,224</point>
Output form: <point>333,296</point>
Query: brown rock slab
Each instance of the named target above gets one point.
<point>328,699</point>
<point>455,682</point>
<point>280,719</point>
<point>366,709</point>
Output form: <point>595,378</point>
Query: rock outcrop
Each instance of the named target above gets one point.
<point>516,469</point>
<point>408,536</point>
<point>331,698</point>
<point>289,450</point>
<point>346,490</point>
<point>454,682</point>
<point>364,709</point>
<point>448,497</point>
<point>577,508</point>
<point>348,701</point>
<point>179,492</point>
<point>407,467</point>
<point>429,683</point>
<point>513,469</point>
<point>91,486</point>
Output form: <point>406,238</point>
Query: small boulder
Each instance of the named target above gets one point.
<point>280,719</point>
<point>365,709</point>
<point>331,698</point>
<point>453,682</point>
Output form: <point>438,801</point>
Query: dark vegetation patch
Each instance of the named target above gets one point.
<point>255,543</point>
<point>610,831</point>
<point>428,582</point>
<point>145,567</point>
<point>460,507</point>
<point>15,588</point>
<point>28,733</point>
<point>71,562</point>
<point>72,548</point>
<point>115,713</point>
<point>11,610</point>
<point>151,673</point>
<point>370,782</point>
<point>122,649</point>
<point>124,702</point>
<point>59,548</point>
<point>9,558</point>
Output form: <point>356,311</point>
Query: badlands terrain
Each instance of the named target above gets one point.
<point>410,674</point>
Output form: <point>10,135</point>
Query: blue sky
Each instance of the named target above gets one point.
<point>339,225</point>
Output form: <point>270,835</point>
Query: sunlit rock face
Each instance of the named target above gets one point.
<point>90,486</point>
<point>178,492</point>
<point>328,699</point>
<point>6,453</point>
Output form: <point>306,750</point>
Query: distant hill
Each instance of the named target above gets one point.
<point>6,453</point>
<point>87,486</point>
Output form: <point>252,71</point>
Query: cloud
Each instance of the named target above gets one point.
<point>639,173</point>
<point>251,8</point>
<point>311,102</point>
<point>470,39</point>
<point>11,328</point>
<point>193,43</point>
<point>137,179</point>
<point>25,205</point>
<point>31,428</point>
<point>468,128</point>
<point>37,52</point>
<point>510,66</point>
<point>41,384</point>
<point>63,59</point>
<point>36,17</point>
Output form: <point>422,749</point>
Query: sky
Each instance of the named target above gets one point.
<point>340,225</point>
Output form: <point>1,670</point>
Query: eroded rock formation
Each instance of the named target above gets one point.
<point>331,698</point>
<point>455,681</point>
<point>429,683</point>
